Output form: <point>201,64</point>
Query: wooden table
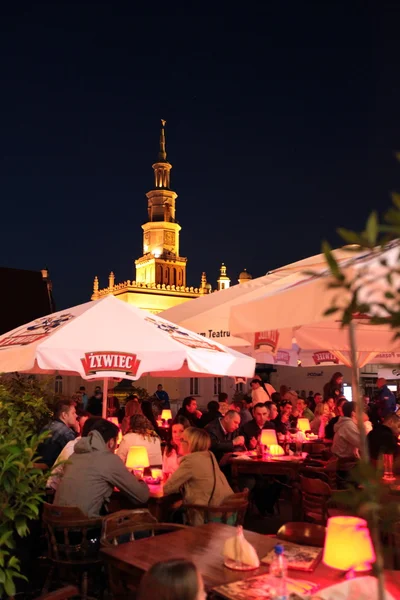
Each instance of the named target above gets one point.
<point>288,467</point>
<point>159,504</point>
<point>204,545</point>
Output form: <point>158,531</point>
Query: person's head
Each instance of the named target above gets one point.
<point>82,389</point>
<point>88,425</point>
<point>337,379</point>
<point>393,422</point>
<point>276,398</point>
<point>177,429</point>
<point>82,418</point>
<point>260,414</point>
<point>140,424</point>
<point>222,397</point>
<point>213,406</point>
<point>108,431</point>
<point>273,410</point>
<point>283,390</point>
<point>97,389</point>
<point>189,404</point>
<point>330,402</point>
<point>255,384</point>
<point>311,394</point>
<point>380,382</point>
<point>319,410</point>
<point>349,410</point>
<point>237,405</point>
<point>132,407</point>
<point>339,406</point>
<point>286,408</point>
<point>175,579</point>
<point>248,400</point>
<point>65,411</point>
<point>195,440</point>
<point>317,398</point>
<point>301,405</point>
<point>159,387</point>
<point>231,421</point>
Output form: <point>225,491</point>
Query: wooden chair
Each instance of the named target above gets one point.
<point>232,511</point>
<point>73,542</point>
<point>308,534</point>
<point>315,495</point>
<point>125,525</point>
<point>64,593</point>
<point>326,471</point>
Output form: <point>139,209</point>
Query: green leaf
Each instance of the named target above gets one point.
<point>9,585</point>
<point>350,237</point>
<point>330,259</point>
<point>372,228</point>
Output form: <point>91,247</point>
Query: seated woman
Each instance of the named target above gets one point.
<point>321,418</point>
<point>176,578</point>
<point>141,433</point>
<point>198,476</point>
<point>329,429</point>
<point>173,450</point>
<point>132,407</point>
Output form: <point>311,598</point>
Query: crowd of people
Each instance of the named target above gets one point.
<point>194,458</point>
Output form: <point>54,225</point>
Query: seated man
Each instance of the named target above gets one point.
<point>63,429</point>
<point>212,413</point>
<point>383,438</point>
<point>304,411</point>
<point>282,421</point>
<point>252,430</point>
<point>241,407</point>
<point>346,439</point>
<point>94,470</point>
<point>224,434</point>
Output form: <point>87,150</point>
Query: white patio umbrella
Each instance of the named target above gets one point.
<point>110,338</point>
<point>209,314</point>
<point>297,311</point>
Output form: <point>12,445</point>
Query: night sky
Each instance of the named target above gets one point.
<point>281,126</point>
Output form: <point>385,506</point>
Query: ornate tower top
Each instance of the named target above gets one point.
<point>223,281</point>
<point>162,167</point>
<point>162,155</point>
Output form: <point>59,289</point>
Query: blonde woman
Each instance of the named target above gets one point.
<point>141,433</point>
<point>321,418</point>
<point>198,476</point>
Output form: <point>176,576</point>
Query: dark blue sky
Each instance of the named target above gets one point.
<point>281,126</point>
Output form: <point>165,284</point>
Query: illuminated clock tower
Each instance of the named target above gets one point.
<point>160,262</point>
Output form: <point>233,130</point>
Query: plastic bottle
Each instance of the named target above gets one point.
<point>278,574</point>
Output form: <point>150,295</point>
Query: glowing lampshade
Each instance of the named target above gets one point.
<point>276,450</point>
<point>113,420</point>
<point>137,458</point>
<point>303,425</point>
<point>166,414</point>
<point>268,437</point>
<point>348,545</point>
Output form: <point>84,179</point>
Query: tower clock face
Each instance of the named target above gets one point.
<point>170,238</point>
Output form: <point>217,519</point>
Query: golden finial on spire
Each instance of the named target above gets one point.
<point>96,285</point>
<point>163,122</point>
<point>162,155</point>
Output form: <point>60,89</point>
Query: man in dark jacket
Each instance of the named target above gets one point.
<point>383,438</point>
<point>224,434</point>
<point>386,401</point>
<point>211,414</point>
<point>63,428</point>
<point>252,430</point>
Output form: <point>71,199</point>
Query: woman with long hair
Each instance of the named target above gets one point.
<point>334,387</point>
<point>141,433</point>
<point>198,476</point>
<point>173,449</point>
<point>175,579</point>
<point>147,410</point>
<point>132,407</point>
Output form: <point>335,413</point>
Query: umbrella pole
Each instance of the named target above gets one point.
<point>105,397</point>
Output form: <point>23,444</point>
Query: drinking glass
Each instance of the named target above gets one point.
<point>388,467</point>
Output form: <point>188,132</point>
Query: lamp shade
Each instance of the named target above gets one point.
<point>166,414</point>
<point>303,425</point>
<point>348,544</point>
<point>137,458</point>
<point>268,437</point>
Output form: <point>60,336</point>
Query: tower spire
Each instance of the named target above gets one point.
<point>162,155</point>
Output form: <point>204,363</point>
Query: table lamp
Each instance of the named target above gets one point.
<point>348,545</point>
<point>166,414</point>
<point>268,438</point>
<point>137,459</point>
<point>303,425</point>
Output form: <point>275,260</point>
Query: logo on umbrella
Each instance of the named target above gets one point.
<point>35,331</point>
<point>325,357</point>
<point>122,362</point>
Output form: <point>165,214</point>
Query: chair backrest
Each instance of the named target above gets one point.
<point>232,511</point>
<point>138,531</point>
<point>72,537</point>
<point>303,533</point>
<point>124,522</point>
<point>315,495</point>
<point>65,593</point>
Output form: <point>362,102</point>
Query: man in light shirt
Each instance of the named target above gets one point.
<point>261,393</point>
